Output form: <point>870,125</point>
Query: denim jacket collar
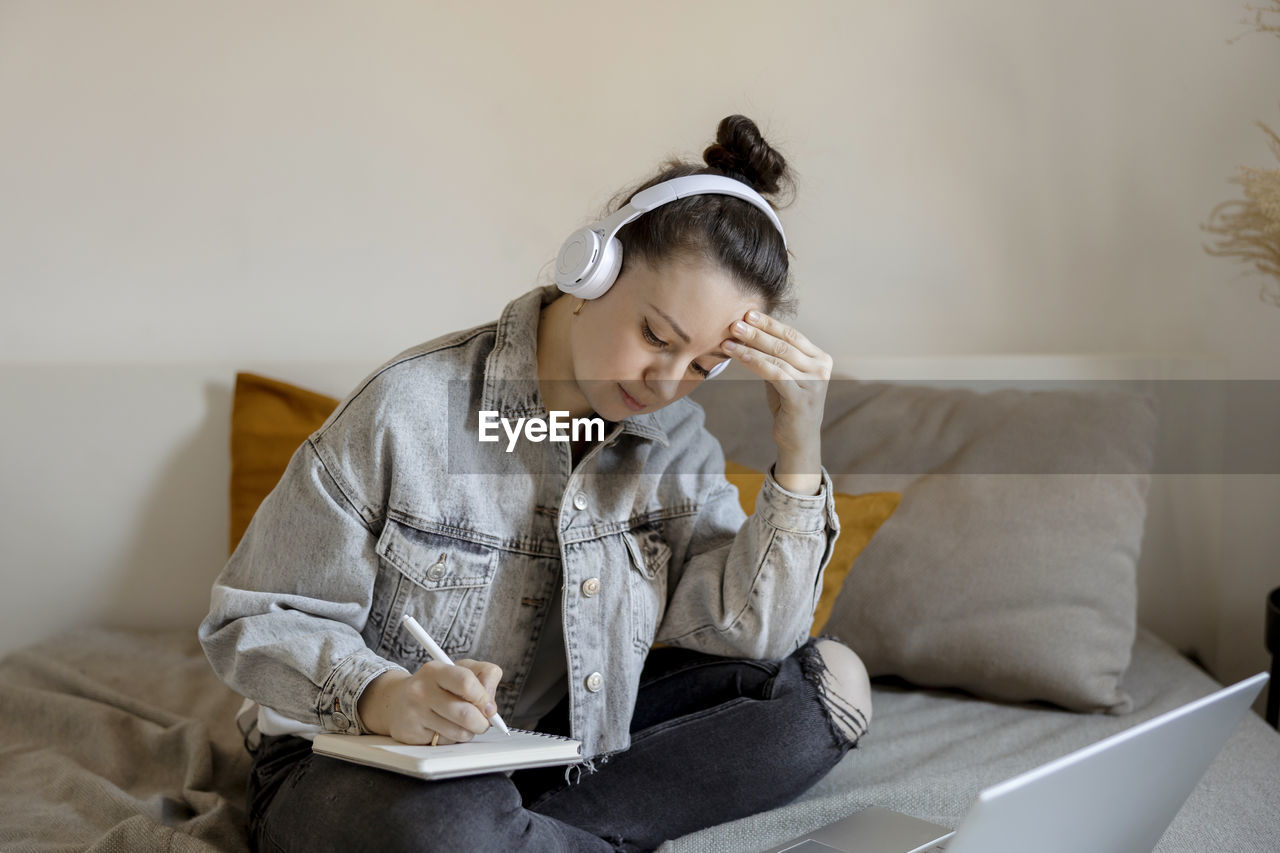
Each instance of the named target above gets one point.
<point>508,388</point>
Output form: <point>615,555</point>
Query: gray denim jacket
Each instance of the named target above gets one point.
<point>393,506</point>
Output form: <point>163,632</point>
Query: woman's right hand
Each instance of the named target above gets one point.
<point>455,700</point>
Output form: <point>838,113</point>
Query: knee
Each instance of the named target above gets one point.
<point>846,688</point>
<point>474,813</point>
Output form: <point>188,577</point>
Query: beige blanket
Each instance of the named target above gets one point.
<point>119,741</point>
<point>125,741</point>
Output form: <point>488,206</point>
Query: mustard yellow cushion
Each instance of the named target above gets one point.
<point>269,421</point>
<point>860,517</point>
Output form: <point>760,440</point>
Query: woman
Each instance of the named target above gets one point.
<point>551,571</point>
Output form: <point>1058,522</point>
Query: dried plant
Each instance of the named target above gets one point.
<point>1250,229</point>
<point>1264,25</point>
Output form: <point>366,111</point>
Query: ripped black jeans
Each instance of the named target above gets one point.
<point>713,739</point>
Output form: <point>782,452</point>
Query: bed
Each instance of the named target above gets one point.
<point>995,604</point>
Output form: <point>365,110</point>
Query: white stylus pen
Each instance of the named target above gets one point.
<point>433,649</point>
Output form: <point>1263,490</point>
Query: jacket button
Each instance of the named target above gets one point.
<point>580,501</point>
<point>594,682</point>
<point>437,569</point>
<point>590,586</point>
<point>340,720</point>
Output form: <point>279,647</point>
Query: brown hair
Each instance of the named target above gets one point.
<point>728,231</point>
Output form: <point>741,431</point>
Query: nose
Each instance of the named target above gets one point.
<point>663,380</point>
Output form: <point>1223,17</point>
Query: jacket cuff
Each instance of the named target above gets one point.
<point>336,704</point>
<point>796,513</point>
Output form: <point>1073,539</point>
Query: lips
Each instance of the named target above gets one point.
<point>632,403</point>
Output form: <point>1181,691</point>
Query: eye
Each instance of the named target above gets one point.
<point>656,341</point>
<point>650,336</point>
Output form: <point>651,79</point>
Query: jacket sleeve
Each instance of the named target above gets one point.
<point>287,611</point>
<point>749,585</point>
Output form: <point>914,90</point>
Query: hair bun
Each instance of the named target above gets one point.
<point>741,152</point>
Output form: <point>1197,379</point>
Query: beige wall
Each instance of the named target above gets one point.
<point>240,182</point>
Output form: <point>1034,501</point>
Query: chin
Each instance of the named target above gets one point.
<point>604,408</point>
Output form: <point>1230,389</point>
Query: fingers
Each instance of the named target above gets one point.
<point>779,336</point>
<point>462,682</point>
<point>468,698</point>
<point>458,719</point>
<point>489,674</point>
<point>449,728</point>
<point>766,341</point>
<point>424,735</point>
<point>449,699</point>
<point>755,342</point>
<point>424,726</point>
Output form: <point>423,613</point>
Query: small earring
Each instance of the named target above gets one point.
<point>581,302</point>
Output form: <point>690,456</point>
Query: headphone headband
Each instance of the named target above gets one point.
<point>591,258</point>
<point>667,191</point>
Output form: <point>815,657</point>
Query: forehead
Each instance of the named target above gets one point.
<point>700,297</point>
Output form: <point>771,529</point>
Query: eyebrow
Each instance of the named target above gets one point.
<point>679,331</point>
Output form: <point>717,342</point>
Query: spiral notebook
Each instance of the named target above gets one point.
<point>485,753</point>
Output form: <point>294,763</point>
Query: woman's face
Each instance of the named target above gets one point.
<point>653,336</point>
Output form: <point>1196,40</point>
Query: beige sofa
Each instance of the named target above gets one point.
<point>996,608</point>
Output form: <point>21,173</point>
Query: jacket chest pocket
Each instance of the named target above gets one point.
<point>647,583</point>
<point>442,581</point>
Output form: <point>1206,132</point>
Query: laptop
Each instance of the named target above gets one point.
<point>1118,795</point>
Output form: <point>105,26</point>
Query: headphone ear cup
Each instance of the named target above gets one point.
<point>577,259</point>
<point>603,273</point>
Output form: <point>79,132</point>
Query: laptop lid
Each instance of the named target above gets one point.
<point>1118,795</point>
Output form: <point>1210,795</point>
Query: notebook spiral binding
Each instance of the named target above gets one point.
<point>539,734</point>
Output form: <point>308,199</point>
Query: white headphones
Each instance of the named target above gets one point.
<point>590,259</point>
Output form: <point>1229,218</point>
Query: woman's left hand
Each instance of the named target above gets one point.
<point>796,373</point>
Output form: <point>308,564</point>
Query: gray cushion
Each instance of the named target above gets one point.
<point>1009,568</point>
